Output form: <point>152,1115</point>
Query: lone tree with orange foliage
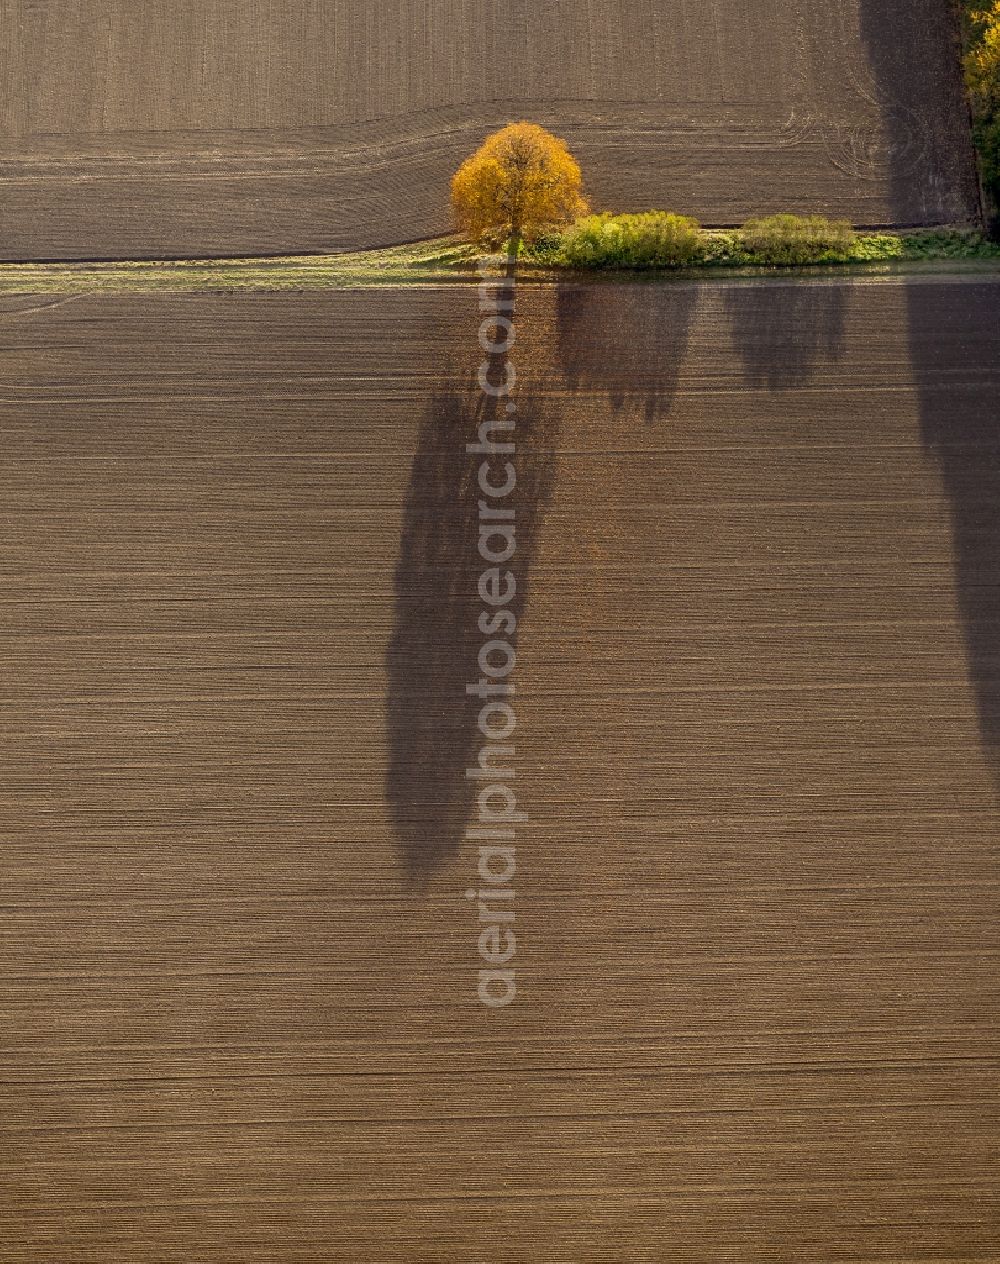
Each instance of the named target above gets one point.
<point>521,184</point>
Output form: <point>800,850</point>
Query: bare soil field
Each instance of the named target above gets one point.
<point>757,749</point>
<point>207,127</point>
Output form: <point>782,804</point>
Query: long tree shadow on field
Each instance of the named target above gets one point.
<point>628,341</point>
<point>783,333</point>
<point>433,654</point>
<point>913,55</point>
<point>958,379</point>
<point>954,342</point>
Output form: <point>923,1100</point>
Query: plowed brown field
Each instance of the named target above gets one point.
<point>757,746</point>
<point>217,127</point>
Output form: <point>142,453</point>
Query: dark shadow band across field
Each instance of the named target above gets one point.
<point>959,405</point>
<point>959,414</point>
<point>433,733</point>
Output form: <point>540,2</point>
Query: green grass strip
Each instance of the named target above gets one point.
<point>433,262</point>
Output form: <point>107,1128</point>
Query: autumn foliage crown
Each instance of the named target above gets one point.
<point>521,184</point>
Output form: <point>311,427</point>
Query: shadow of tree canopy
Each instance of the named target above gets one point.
<point>958,379</point>
<point>626,340</point>
<point>954,340</point>
<point>913,55</point>
<point>783,332</point>
<point>433,732</point>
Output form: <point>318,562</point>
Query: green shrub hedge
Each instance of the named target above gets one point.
<point>790,239</point>
<point>654,239</point>
<point>658,239</point>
